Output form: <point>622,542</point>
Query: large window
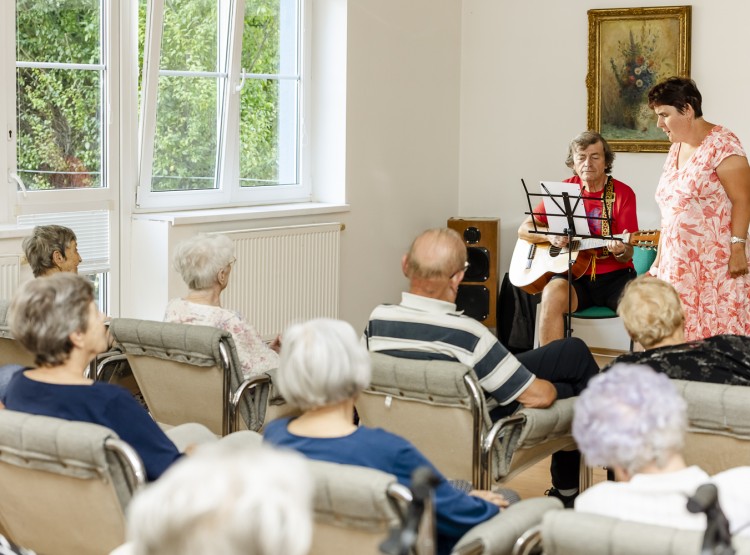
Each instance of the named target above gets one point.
<point>60,93</point>
<point>65,63</point>
<point>220,103</point>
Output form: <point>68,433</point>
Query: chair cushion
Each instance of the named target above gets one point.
<point>433,381</point>
<point>643,259</point>
<point>594,312</point>
<point>572,533</point>
<point>352,496</point>
<point>500,533</point>
<point>196,345</point>
<point>717,408</point>
<point>59,446</point>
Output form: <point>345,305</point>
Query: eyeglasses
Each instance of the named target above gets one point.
<point>466,267</point>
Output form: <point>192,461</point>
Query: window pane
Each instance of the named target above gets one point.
<point>101,290</point>
<point>58,31</point>
<point>268,112</point>
<point>59,128</point>
<point>188,106</point>
<point>186,134</point>
<point>189,39</point>
<point>268,132</point>
<point>269,40</point>
<point>142,12</point>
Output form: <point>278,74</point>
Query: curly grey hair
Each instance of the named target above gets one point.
<point>650,310</point>
<point>200,258</point>
<point>630,417</point>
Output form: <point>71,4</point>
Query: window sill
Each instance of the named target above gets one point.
<point>12,231</point>
<point>188,217</point>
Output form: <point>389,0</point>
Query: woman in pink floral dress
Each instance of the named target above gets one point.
<point>704,197</point>
<point>205,263</point>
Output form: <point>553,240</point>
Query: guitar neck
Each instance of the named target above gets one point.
<point>589,243</point>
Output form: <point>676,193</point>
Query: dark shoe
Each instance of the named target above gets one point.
<point>567,500</point>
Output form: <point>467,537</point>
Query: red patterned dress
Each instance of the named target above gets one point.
<point>695,232</point>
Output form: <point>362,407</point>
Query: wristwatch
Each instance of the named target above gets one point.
<point>736,239</point>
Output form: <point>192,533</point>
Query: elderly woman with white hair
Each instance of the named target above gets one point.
<point>632,420</point>
<point>227,498</point>
<point>651,311</point>
<point>205,264</point>
<point>323,369</point>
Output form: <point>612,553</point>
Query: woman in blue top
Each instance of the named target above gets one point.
<point>56,319</point>
<point>323,369</point>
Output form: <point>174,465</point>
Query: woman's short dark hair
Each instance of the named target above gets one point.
<point>678,92</point>
<point>41,245</point>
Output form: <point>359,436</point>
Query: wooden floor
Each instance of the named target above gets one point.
<point>536,480</point>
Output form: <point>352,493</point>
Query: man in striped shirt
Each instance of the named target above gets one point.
<point>427,325</point>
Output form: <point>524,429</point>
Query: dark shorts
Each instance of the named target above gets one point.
<point>605,290</point>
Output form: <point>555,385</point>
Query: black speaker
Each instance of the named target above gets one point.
<point>477,294</point>
<point>474,300</point>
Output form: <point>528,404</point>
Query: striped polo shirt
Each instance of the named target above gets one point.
<point>422,327</point>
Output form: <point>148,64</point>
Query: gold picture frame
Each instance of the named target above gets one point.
<point>630,50</point>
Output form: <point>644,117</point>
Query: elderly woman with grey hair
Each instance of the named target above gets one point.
<point>205,264</point>
<point>323,369</point>
<point>652,313</point>
<point>228,498</point>
<point>55,318</point>
<point>633,420</point>
<point>51,249</point>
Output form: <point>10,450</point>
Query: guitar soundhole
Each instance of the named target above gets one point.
<point>554,251</point>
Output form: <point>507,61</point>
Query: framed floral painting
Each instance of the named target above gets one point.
<point>630,50</point>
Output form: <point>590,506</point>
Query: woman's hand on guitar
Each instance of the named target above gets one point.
<point>558,240</point>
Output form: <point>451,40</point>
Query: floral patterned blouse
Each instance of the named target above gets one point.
<point>255,356</point>
<point>695,232</point>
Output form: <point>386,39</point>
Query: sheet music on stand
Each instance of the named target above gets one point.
<point>557,215</point>
<point>564,209</point>
<point>553,194</point>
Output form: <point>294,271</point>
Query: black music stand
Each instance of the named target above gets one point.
<point>563,203</point>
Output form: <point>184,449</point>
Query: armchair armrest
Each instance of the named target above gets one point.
<point>249,386</point>
<point>498,535</point>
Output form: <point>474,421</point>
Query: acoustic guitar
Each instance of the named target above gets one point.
<point>534,264</point>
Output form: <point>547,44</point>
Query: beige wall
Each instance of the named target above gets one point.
<point>450,102</point>
<point>523,97</point>
<point>402,140</point>
<point>401,155</point>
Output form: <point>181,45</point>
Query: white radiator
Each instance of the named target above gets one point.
<point>284,275</point>
<point>10,272</point>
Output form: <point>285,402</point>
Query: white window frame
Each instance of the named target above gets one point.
<point>105,198</point>
<point>228,192</point>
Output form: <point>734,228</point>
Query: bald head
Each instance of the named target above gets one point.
<point>436,254</point>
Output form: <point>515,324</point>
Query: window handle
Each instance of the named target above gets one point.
<point>239,87</point>
<point>15,177</point>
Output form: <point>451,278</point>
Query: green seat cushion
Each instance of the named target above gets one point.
<point>594,312</point>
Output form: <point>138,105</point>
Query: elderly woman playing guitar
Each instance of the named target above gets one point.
<point>609,203</point>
